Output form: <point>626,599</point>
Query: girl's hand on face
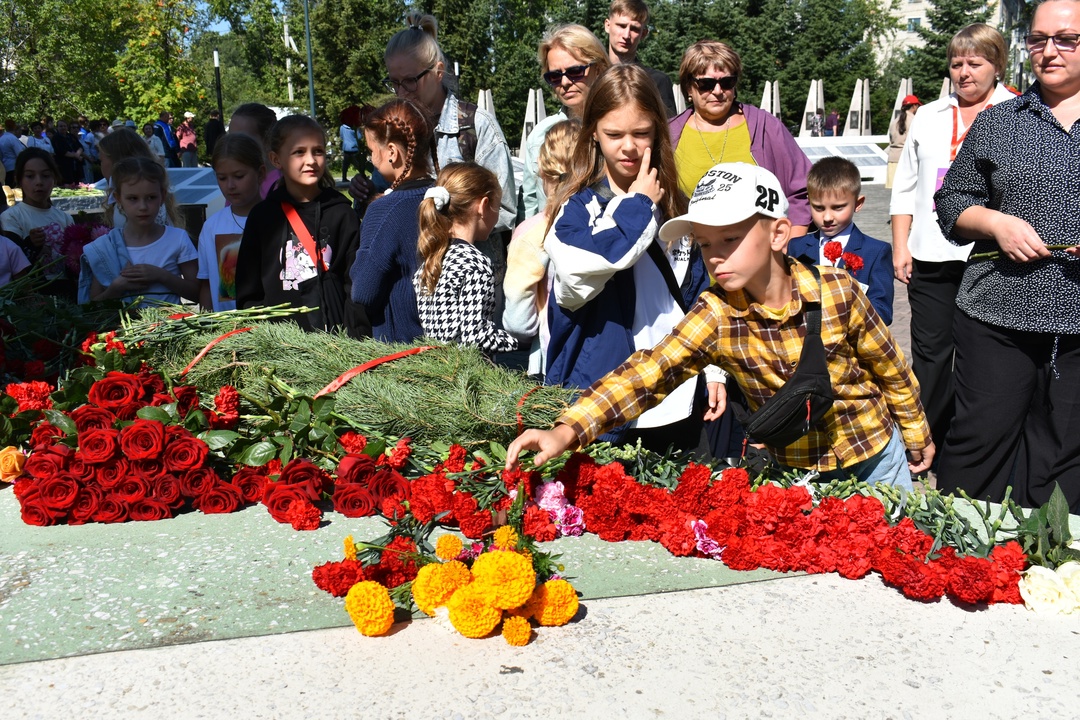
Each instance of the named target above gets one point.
<point>36,237</point>
<point>647,182</point>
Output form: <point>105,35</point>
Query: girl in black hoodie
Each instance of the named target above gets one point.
<point>299,243</point>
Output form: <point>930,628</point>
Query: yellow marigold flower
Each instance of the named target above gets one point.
<point>448,547</point>
<point>505,538</point>
<point>370,607</point>
<point>470,614</point>
<point>553,603</point>
<point>12,461</point>
<point>435,583</point>
<point>350,548</point>
<point>516,631</point>
<point>506,578</point>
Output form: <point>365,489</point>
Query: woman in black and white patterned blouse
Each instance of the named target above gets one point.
<point>1015,190</point>
<point>455,285</point>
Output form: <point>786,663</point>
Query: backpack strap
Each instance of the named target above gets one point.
<point>813,310</point>
<point>662,264</point>
<point>302,234</point>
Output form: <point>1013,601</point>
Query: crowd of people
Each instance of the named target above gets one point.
<point>690,273</point>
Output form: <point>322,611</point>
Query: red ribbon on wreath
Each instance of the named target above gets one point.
<point>348,375</point>
<point>210,346</point>
<point>521,404</point>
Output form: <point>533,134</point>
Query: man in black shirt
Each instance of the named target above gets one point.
<point>626,26</point>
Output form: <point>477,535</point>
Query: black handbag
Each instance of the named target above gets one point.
<point>804,399</point>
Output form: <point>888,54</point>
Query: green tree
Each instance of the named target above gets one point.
<point>926,65</point>
<point>57,62</point>
<point>259,29</point>
<point>154,71</point>
<point>348,40</point>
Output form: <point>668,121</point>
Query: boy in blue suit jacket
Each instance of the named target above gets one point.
<point>835,191</point>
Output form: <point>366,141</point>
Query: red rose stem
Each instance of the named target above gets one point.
<point>348,375</point>
<point>210,346</point>
<point>521,404</point>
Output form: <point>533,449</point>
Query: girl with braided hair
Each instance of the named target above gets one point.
<point>299,243</point>
<point>401,140</point>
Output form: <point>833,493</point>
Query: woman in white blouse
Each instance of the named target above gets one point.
<point>931,266</point>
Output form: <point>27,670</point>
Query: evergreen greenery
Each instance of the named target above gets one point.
<point>449,394</point>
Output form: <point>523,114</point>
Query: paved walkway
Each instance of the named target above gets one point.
<point>806,646</point>
<point>812,646</point>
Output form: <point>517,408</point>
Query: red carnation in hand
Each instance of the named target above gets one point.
<point>832,251</point>
<point>852,262</point>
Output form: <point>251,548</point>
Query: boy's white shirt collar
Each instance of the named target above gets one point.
<point>841,237</point>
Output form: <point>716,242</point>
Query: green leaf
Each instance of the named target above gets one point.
<point>286,450</point>
<point>62,422</point>
<point>1057,516</point>
<point>375,447</point>
<point>302,418</point>
<point>8,405</point>
<point>498,452</point>
<point>218,439</point>
<point>155,413</point>
<point>323,407</point>
<point>258,454</point>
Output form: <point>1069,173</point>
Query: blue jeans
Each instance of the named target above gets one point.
<point>888,466</point>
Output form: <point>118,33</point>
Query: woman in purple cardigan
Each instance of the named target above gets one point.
<point>717,128</point>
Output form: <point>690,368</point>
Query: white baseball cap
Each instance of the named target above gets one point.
<point>728,194</point>
<point>189,114</point>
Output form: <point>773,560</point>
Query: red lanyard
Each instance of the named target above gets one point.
<point>958,141</point>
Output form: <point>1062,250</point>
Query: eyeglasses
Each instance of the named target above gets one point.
<point>575,73</point>
<point>406,84</point>
<point>708,84</point>
<point>1064,42</point>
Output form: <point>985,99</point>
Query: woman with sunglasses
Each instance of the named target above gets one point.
<point>416,71</point>
<point>1014,191</point>
<point>717,128</point>
<point>571,59</point>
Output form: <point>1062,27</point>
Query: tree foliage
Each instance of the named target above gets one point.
<point>926,65</point>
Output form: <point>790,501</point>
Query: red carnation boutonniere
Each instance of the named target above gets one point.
<point>852,262</point>
<point>832,251</point>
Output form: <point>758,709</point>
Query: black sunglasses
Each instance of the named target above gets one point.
<point>575,73</point>
<point>707,84</point>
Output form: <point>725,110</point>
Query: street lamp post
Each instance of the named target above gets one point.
<point>310,73</point>
<point>217,82</point>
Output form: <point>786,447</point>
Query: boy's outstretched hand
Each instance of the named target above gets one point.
<point>921,460</point>
<point>548,444</point>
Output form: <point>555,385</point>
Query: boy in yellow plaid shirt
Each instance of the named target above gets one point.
<point>751,323</point>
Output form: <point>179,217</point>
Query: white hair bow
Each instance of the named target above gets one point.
<point>440,195</point>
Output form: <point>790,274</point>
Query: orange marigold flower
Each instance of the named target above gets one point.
<point>470,614</point>
<point>553,603</point>
<point>350,548</point>
<point>370,607</point>
<point>505,538</point>
<point>506,578</point>
<point>435,583</point>
<point>448,547</point>
<point>516,631</point>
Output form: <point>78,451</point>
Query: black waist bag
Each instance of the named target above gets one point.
<point>803,400</point>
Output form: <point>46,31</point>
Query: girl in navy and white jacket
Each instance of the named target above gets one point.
<point>610,297</point>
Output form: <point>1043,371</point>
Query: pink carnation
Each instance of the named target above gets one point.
<point>570,520</point>
<point>551,496</point>
<point>705,544</point>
